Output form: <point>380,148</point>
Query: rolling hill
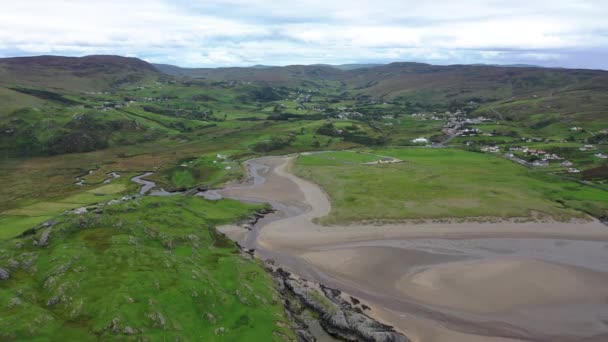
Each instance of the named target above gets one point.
<point>515,92</point>
<point>78,74</point>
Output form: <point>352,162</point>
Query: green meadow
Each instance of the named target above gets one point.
<point>17,220</point>
<point>443,183</point>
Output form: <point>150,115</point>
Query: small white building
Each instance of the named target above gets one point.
<point>420,141</point>
<point>491,149</point>
<point>566,163</point>
<point>587,148</point>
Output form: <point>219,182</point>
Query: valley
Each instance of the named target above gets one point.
<point>449,203</point>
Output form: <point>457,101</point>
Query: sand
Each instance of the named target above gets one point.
<point>517,285</point>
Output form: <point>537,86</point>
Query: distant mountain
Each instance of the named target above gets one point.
<point>408,78</point>
<point>260,66</point>
<point>75,73</point>
<point>355,66</point>
<point>293,75</point>
<point>514,91</point>
<point>510,65</point>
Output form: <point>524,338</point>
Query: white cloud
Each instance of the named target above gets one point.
<point>240,32</point>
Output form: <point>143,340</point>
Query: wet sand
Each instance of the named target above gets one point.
<point>439,282</point>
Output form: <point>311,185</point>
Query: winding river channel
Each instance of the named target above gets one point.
<point>435,281</point>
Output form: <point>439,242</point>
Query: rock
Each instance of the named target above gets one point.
<point>52,301</point>
<point>44,237</point>
<point>129,331</point>
<point>220,331</point>
<point>241,297</point>
<point>4,274</point>
<point>337,316</point>
<point>80,211</point>
<point>14,302</point>
<point>305,336</point>
<point>211,318</point>
<point>158,318</point>
<point>114,326</point>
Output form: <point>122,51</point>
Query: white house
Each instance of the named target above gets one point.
<point>420,141</point>
<point>566,163</point>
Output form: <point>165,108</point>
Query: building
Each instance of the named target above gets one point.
<point>491,149</point>
<point>601,156</point>
<point>420,141</point>
<point>540,163</point>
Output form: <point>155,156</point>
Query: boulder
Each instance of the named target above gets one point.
<point>4,274</point>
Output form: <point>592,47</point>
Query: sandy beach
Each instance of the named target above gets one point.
<point>533,281</point>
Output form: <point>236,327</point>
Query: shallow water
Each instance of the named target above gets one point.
<point>588,254</point>
<point>147,186</point>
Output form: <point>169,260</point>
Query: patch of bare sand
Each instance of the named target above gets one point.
<point>275,188</point>
<point>502,285</point>
<point>420,329</point>
<point>233,232</point>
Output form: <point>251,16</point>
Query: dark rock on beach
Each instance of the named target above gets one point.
<point>337,316</point>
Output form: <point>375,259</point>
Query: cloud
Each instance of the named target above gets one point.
<point>239,32</point>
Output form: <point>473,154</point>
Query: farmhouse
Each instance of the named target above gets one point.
<point>587,148</point>
<point>491,149</point>
<point>420,141</point>
<point>540,163</point>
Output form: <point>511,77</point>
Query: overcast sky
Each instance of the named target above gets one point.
<point>208,33</point>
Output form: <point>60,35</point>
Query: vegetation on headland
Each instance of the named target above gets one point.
<point>152,268</point>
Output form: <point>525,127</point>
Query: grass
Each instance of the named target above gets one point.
<point>17,220</point>
<point>443,183</point>
<point>153,268</point>
<point>340,157</point>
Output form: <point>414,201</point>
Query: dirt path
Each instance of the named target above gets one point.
<point>438,282</point>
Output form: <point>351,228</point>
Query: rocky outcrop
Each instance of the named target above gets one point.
<point>337,316</point>
<point>44,237</point>
<point>253,220</point>
<point>4,274</point>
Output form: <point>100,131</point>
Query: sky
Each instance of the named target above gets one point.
<point>208,33</point>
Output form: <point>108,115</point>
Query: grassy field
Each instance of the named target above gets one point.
<point>443,183</point>
<point>152,269</point>
<point>29,214</point>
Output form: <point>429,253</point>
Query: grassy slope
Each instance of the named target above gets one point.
<point>154,265</point>
<point>433,183</point>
